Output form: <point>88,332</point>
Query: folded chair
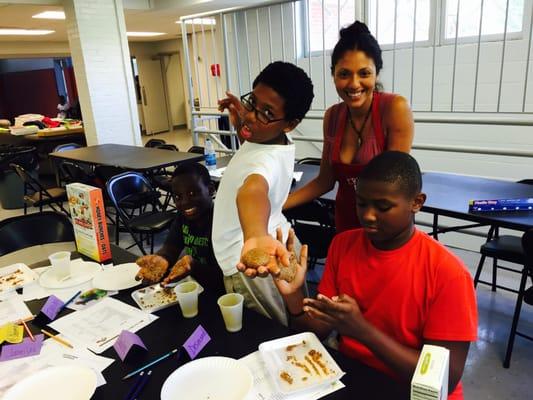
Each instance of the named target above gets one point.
<point>37,195</point>
<point>125,191</point>
<point>33,229</point>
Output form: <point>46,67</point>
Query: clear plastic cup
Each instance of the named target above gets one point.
<point>231,308</point>
<point>187,295</point>
<point>60,263</point>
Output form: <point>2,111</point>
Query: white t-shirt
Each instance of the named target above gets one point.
<point>276,164</point>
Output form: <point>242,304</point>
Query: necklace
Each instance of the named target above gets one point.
<point>359,132</point>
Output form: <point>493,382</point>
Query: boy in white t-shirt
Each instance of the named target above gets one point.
<point>256,182</point>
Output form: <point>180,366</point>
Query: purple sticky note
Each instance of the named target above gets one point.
<point>52,307</point>
<point>125,342</point>
<point>26,348</point>
<point>196,342</point>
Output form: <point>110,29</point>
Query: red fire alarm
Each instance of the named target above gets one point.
<point>215,69</point>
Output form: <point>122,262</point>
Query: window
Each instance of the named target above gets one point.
<point>492,23</point>
<point>332,22</point>
<point>381,20</point>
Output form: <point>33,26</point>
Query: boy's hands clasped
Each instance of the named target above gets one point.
<point>154,268</point>
<point>340,312</point>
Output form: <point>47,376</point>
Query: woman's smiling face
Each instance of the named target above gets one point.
<point>355,79</point>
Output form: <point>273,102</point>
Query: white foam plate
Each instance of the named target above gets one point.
<point>80,272</point>
<point>209,378</point>
<point>288,355</point>
<point>15,276</point>
<point>55,383</point>
<point>118,277</point>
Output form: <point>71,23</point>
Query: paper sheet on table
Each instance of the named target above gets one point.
<point>97,327</point>
<point>297,175</point>
<point>13,309</point>
<point>52,354</point>
<point>265,389</point>
<point>217,173</point>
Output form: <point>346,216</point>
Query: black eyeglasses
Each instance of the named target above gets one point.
<point>259,115</point>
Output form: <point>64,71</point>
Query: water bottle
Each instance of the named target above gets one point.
<point>210,155</point>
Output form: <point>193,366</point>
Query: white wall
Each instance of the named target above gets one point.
<point>247,55</point>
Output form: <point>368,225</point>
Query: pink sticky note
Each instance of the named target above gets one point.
<point>26,348</point>
<point>196,342</point>
<point>52,307</point>
<point>125,342</point>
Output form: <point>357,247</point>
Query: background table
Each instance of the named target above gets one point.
<point>128,157</point>
<point>171,330</point>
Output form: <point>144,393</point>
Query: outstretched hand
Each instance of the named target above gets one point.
<point>287,288</point>
<point>153,268</point>
<point>273,247</point>
<point>180,269</point>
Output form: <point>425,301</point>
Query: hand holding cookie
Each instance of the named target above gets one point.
<point>153,268</point>
<point>180,269</point>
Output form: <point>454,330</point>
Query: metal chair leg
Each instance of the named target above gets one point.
<point>479,269</point>
<point>516,317</point>
<point>494,273</point>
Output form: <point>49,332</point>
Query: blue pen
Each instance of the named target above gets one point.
<point>141,386</point>
<point>134,386</point>
<point>69,301</point>
<point>151,363</point>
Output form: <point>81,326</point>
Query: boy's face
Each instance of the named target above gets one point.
<point>192,197</point>
<point>386,212</point>
<point>267,101</point>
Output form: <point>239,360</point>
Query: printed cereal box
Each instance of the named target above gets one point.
<point>88,218</point>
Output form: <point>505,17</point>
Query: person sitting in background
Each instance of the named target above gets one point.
<point>366,123</point>
<point>62,107</point>
<point>189,235</point>
<point>256,182</point>
<point>387,287</point>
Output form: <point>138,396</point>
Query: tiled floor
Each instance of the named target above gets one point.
<point>484,377</point>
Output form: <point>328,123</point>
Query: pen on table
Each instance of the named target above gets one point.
<point>69,301</point>
<point>27,330</point>
<point>141,386</point>
<point>134,386</point>
<point>150,364</point>
<point>57,339</point>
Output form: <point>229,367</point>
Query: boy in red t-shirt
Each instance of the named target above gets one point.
<point>389,288</point>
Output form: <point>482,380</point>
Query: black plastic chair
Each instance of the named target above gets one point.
<point>67,146</point>
<point>33,229</point>
<point>125,190</point>
<point>196,150</point>
<point>526,252</point>
<point>162,179</point>
<point>505,247</point>
<point>314,225</point>
<point>71,172</point>
<point>37,195</point>
<point>309,160</point>
<point>154,143</point>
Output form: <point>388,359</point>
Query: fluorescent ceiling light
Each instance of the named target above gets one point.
<point>145,34</point>
<point>200,21</point>
<point>50,15</point>
<point>27,32</point>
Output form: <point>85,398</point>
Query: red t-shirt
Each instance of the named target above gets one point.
<point>418,291</point>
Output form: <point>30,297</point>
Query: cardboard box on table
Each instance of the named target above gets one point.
<point>88,219</point>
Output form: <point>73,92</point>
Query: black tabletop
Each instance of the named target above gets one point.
<point>449,194</point>
<point>171,330</point>
<point>128,157</point>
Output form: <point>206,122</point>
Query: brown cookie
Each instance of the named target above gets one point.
<point>255,258</point>
<point>288,273</point>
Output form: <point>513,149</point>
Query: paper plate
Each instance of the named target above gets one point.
<point>119,277</point>
<point>55,383</point>
<point>209,378</point>
<point>81,272</point>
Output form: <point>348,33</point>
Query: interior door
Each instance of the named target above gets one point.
<point>154,102</point>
